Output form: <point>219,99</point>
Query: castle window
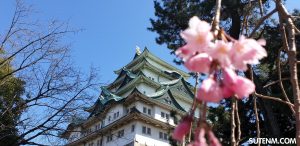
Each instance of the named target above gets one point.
<point>146,110</point>
<point>109,118</point>
<point>165,136</point>
<point>109,138</point>
<point>144,130</point>
<point>167,116</point>
<point>149,131</point>
<point>103,123</point>
<point>99,142</point>
<point>132,128</point>
<point>149,111</point>
<point>162,114</point>
<point>161,135</point>
<point>121,133</point>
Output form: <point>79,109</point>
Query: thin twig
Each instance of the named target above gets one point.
<point>194,105</point>
<point>255,106</point>
<point>238,122</point>
<point>245,21</point>
<point>274,98</point>
<point>256,118</point>
<point>275,82</point>
<point>280,81</point>
<point>233,126</point>
<point>261,10</point>
<point>260,21</point>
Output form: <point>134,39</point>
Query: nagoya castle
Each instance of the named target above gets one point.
<point>140,107</point>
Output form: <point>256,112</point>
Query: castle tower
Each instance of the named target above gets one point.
<point>136,108</point>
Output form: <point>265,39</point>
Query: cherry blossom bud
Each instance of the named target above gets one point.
<point>183,128</point>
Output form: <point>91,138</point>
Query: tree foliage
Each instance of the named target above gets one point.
<point>10,98</point>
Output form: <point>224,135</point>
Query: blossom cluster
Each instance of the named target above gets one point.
<point>205,54</point>
<point>199,138</point>
<point>210,54</point>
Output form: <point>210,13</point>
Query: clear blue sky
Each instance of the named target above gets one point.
<point>112,29</point>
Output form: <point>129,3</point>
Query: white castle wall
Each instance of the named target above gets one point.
<point>153,138</point>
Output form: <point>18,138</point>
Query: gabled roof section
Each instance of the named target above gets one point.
<point>124,74</point>
<point>181,86</point>
<point>165,96</point>
<point>172,91</point>
<point>105,97</point>
<point>146,54</point>
<point>141,78</point>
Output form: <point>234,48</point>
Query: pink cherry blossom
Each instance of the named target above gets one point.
<point>229,77</point>
<point>184,52</point>
<point>247,51</point>
<point>220,51</point>
<point>199,138</point>
<point>198,35</point>
<point>210,91</point>
<point>227,92</point>
<point>234,84</point>
<point>213,139</point>
<point>183,128</point>
<point>199,63</point>
<point>243,87</point>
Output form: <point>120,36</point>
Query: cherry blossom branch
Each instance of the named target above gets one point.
<point>283,36</point>
<point>233,125</point>
<point>292,58</point>
<point>194,105</point>
<point>255,105</point>
<point>275,82</point>
<point>238,122</point>
<point>216,22</point>
<point>280,82</point>
<point>261,10</point>
<point>274,98</point>
<point>246,16</point>
<point>204,111</point>
<point>256,118</point>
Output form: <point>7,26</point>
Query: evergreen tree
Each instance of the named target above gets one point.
<point>11,106</point>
